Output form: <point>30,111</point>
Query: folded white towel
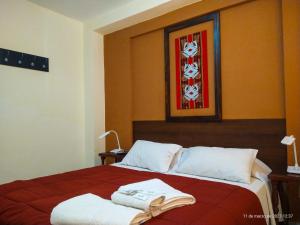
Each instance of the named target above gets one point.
<point>90,209</point>
<point>148,194</point>
<point>140,199</point>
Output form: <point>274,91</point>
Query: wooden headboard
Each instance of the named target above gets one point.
<point>262,134</point>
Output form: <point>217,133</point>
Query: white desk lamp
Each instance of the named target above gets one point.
<point>118,150</point>
<point>289,140</point>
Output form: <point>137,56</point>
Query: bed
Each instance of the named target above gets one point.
<point>30,202</point>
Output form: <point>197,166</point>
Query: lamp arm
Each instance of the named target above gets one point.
<point>295,154</point>
<point>117,138</point>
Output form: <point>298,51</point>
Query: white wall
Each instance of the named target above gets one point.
<point>93,95</point>
<point>42,115</point>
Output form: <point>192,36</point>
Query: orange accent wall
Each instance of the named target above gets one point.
<point>251,63</point>
<point>251,57</point>
<point>291,43</point>
<point>147,60</point>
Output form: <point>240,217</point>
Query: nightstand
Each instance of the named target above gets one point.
<point>116,156</point>
<point>279,187</point>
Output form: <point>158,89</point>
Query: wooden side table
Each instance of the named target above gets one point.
<point>279,188</point>
<point>116,156</point>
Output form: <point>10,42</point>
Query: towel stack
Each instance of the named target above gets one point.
<point>134,204</point>
<point>152,195</point>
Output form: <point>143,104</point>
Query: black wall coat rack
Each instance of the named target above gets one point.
<point>23,60</point>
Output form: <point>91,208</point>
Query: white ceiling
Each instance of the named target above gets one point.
<point>107,16</point>
<point>82,10</point>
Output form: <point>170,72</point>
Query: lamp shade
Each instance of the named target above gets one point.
<point>109,132</point>
<point>288,140</point>
<point>104,135</point>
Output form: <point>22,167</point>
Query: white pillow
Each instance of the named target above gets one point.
<point>260,170</point>
<point>151,155</point>
<point>223,163</point>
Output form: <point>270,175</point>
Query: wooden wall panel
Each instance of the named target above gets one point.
<point>251,57</point>
<point>147,62</point>
<point>118,68</point>
<point>291,28</point>
<point>251,64</point>
<point>118,90</point>
<point>251,61</point>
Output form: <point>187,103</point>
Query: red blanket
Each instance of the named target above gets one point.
<point>31,202</point>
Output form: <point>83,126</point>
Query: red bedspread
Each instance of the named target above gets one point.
<point>31,202</point>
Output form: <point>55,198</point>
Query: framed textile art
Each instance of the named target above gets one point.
<point>192,68</point>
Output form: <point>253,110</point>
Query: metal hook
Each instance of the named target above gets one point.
<point>21,60</point>
<point>7,55</point>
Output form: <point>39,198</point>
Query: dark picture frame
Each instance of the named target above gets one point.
<point>215,18</point>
